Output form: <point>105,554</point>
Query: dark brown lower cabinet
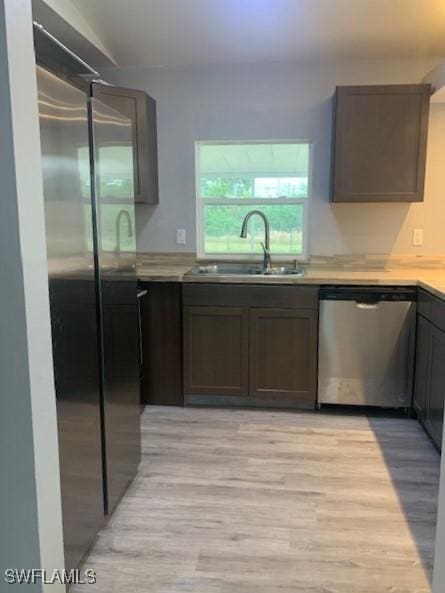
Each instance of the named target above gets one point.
<point>282,354</point>
<point>161,329</point>
<point>429,385</point>
<point>436,390</point>
<point>258,355</point>
<point>215,350</point>
<point>422,363</point>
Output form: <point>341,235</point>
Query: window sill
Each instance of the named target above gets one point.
<point>251,259</point>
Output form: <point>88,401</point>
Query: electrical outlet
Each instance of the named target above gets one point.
<point>180,236</point>
<point>418,237</point>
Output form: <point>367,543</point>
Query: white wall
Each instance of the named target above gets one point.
<point>281,100</point>
<point>30,506</point>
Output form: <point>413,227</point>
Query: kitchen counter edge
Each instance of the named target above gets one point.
<point>432,281</point>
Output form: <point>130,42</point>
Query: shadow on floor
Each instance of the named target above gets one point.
<point>415,476</point>
<point>414,472</point>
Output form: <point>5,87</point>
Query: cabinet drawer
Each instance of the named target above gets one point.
<point>438,313</point>
<point>432,308</point>
<point>254,296</point>
<point>424,302</point>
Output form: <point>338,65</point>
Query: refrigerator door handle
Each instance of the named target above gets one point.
<point>140,295</point>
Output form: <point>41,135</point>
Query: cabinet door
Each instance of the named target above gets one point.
<point>121,414</point>
<point>436,387</point>
<point>76,370</point>
<point>422,366</point>
<point>161,322</point>
<point>141,109</point>
<point>216,351</point>
<point>379,143</point>
<point>283,354</point>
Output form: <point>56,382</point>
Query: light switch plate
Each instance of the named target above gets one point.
<point>180,236</point>
<point>418,237</point>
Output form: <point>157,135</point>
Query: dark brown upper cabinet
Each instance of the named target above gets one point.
<point>141,109</point>
<point>379,143</point>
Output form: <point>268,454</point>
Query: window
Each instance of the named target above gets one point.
<point>236,177</point>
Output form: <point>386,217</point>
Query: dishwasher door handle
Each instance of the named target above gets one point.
<point>369,306</point>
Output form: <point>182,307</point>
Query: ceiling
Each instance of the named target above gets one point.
<point>174,32</point>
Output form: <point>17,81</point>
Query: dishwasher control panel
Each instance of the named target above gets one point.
<point>372,294</point>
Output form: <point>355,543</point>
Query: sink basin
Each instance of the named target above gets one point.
<point>284,271</point>
<point>244,270</point>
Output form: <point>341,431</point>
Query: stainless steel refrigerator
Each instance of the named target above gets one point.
<point>112,165</point>
<point>89,215</point>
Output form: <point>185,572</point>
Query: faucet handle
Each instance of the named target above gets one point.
<point>267,263</point>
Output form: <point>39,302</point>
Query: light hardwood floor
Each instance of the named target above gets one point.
<point>237,501</point>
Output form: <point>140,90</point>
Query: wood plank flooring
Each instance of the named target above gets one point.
<point>252,501</point>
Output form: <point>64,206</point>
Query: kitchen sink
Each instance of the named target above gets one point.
<point>244,270</point>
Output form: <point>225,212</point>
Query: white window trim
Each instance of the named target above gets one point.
<point>201,202</point>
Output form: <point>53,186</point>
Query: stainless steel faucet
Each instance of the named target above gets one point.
<point>267,262</point>
<point>125,214</point>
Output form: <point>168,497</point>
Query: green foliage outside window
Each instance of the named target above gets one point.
<point>219,186</point>
<point>223,224</point>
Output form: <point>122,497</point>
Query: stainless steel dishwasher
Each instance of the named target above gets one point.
<point>366,346</point>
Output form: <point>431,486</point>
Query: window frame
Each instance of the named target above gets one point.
<point>254,202</point>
